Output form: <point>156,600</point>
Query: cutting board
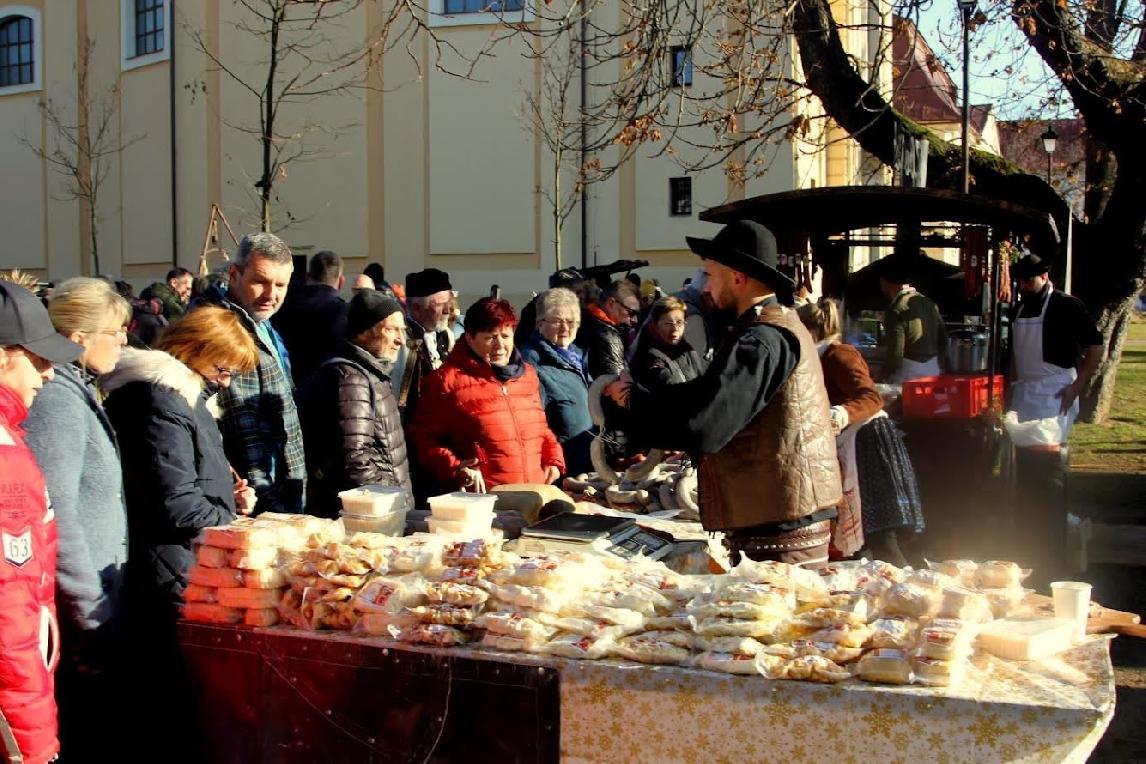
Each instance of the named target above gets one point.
<point>1103,620</point>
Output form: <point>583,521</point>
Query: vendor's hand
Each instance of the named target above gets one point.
<point>620,389</point>
<point>551,474</point>
<point>1067,395</point>
<point>245,498</point>
<point>840,419</point>
<point>470,477</point>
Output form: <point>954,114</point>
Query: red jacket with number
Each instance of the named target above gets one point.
<point>465,412</point>
<point>28,635</point>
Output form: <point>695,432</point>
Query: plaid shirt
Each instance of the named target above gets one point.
<point>261,430</point>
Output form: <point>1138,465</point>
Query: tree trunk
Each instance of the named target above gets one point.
<point>92,234</point>
<point>1096,398</point>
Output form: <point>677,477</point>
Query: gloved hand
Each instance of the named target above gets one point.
<point>470,477</point>
<point>840,419</point>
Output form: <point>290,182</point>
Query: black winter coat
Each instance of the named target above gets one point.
<point>655,365</point>
<point>176,478</point>
<point>352,429</point>
<point>604,343</point>
<point>312,323</point>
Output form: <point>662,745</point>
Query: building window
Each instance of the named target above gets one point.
<point>452,7</point>
<point>680,197</point>
<point>146,32</point>
<point>681,63</point>
<point>149,25</point>
<point>17,57</point>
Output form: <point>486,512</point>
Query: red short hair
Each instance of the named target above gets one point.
<point>489,314</point>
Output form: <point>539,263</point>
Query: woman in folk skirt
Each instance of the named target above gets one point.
<point>881,498</point>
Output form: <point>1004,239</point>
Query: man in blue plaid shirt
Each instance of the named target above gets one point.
<point>260,425</point>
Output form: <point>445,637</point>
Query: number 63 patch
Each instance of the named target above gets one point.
<point>17,548</point>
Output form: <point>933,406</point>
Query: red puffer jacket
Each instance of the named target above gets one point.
<point>464,412</point>
<point>29,638</point>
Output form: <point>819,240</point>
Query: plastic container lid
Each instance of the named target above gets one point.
<point>374,500</point>
<point>463,506</point>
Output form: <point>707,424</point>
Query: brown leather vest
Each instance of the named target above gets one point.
<point>783,465</point>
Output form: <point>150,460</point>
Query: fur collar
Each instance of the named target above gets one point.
<point>157,368</point>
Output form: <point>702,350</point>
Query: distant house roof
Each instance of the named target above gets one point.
<point>923,89</point>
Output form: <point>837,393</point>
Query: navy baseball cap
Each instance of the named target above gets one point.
<point>24,321</point>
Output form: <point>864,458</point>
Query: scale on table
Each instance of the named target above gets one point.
<point>592,533</point>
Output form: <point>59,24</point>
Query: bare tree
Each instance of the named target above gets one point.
<point>81,148</point>
<point>309,50</point>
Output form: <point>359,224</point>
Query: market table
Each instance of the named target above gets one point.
<point>280,694</point>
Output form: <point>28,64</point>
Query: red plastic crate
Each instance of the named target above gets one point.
<point>949,396</point>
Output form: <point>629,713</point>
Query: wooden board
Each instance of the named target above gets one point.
<point>1103,620</point>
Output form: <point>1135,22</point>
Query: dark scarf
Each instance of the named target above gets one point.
<point>512,370</point>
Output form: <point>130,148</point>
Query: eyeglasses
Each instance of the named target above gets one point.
<point>569,322</point>
<point>671,324</point>
<point>226,373</point>
<point>631,312</point>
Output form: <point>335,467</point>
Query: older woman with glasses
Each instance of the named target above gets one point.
<point>75,446</point>
<point>563,369</point>
<point>662,355</point>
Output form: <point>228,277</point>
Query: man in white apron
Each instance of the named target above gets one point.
<point>914,332</point>
<point>1051,333</point>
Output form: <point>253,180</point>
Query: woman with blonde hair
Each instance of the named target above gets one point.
<point>881,498</point>
<point>75,444</point>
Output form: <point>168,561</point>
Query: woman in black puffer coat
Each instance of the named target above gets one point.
<point>350,419</point>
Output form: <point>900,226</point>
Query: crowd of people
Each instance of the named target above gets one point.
<point>128,424</point>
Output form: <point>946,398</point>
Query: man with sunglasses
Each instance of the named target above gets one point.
<point>606,325</point>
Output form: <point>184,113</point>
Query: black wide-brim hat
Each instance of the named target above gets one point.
<point>1029,266</point>
<point>748,247</point>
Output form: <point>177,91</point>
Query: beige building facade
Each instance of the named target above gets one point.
<point>421,168</point>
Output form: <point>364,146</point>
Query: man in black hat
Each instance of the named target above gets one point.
<point>913,330</point>
<point>757,423</point>
<point>1055,346</point>
<point>428,294</point>
<point>349,413</point>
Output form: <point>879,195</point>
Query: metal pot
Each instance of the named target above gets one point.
<point>966,352</point>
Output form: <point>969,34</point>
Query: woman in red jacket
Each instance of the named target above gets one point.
<point>479,421</point>
<point>29,638</point>
<point>880,494</point>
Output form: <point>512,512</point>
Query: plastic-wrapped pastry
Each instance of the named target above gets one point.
<point>815,668</point>
<point>737,627</point>
<point>845,635</point>
<point>197,593</point>
<point>417,553</point>
<point>965,571</point>
<point>211,557</point>
<point>772,666</point>
<point>373,541</point>
<point>205,612</point>
<point>932,579</point>
<point>910,600</point>
<point>261,617</point>
<point>834,652</point>
<point>578,647</point>
<point>532,597</point>
<point>807,584</point>
<point>727,663</point>
<point>893,633</point>
<point>997,574</point>
<point>650,651</point>
<point>586,627</point>
<point>468,576</point>
<point>842,578</point>
<point>637,598</point>
<point>678,621</point>
<point>675,638</point>
<point>734,609</point>
<point>630,620</point>
<point>885,666</point>
<point>938,673</point>
<point>216,578</point>
<point>267,578</point>
<point>477,553</point>
<point>730,645</point>
<point>509,644</point>
<point>1005,602</point>
<point>248,598</point>
<point>794,629</point>
<point>449,615</point>
<point>672,585</point>
<point>515,625</point>
<point>388,595</point>
<point>429,634</point>
<point>252,559</point>
<point>532,571</point>
<point>780,650</point>
<point>964,604</point>
<point>945,639</point>
<point>455,593</point>
<point>774,598</point>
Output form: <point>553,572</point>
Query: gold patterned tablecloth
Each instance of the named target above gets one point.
<point>1054,711</point>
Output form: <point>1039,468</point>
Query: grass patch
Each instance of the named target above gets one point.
<point>1119,443</point>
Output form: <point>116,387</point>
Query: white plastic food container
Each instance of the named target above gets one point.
<point>1026,639</point>
<point>373,500</point>
<point>478,527</point>
<point>391,524</point>
<point>463,506</point>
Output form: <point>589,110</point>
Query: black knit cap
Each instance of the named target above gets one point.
<point>367,308</point>
<point>427,282</point>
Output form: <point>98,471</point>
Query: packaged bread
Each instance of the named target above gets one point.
<point>794,629</point>
<point>673,621</point>
<point>197,593</point>
<point>807,584</point>
<point>911,600</point>
<point>373,541</point>
<point>531,571</point>
<point>216,578</point>
<point>723,608</point>
<point>931,579</point>
<point>261,617</point>
<point>777,600</point>
<point>420,553</point>
<point>578,647</point>
<point>211,557</point>
<point>243,533</point>
<point>885,666</point>
<point>895,633</point>
<point>389,595</point>
<point>252,559</point>
<point>814,668</point>
<point>265,578</point>
<point>630,620</point>
<point>677,588</point>
<point>938,673</point>
<point>532,597</point>
<point>506,643</point>
<point>586,627</point>
<point>1006,601</point>
<point>478,553</point>
<point>839,578</point>
<point>964,571</point>
<point>449,615</point>
<point>782,650</point>
<point>652,651</point>
<point>452,593</point>
<point>675,638</point>
<point>998,574</point>
<point>963,604</point>
<point>435,634</point>
<point>836,653</point>
<point>248,598</point>
<point>844,634</point>
<point>634,597</point>
<point>205,612</point>
<point>467,576</point>
<point>738,627</point>
<point>515,625</point>
<point>945,639</point>
<point>727,663</point>
<point>730,645</point>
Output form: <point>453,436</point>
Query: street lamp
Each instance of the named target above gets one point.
<point>1050,138</point>
<point>967,7</point>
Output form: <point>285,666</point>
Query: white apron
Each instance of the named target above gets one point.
<point>1037,383</point>
<point>848,535</point>
<point>909,370</point>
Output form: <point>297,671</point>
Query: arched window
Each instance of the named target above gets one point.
<point>17,51</point>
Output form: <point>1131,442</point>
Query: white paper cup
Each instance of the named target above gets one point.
<point>1072,603</point>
